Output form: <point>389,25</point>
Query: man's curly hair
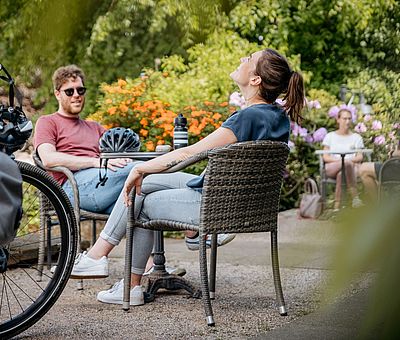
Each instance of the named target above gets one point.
<point>65,73</point>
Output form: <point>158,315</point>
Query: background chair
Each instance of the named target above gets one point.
<point>240,195</point>
<point>389,178</point>
<point>80,214</point>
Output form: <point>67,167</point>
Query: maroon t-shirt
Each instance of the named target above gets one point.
<point>73,136</point>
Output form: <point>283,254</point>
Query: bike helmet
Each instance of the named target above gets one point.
<point>15,127</point>
<point>119,140</point>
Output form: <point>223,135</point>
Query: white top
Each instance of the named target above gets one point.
<point>339,143</point>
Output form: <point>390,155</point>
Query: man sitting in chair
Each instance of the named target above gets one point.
<point>369,173</point>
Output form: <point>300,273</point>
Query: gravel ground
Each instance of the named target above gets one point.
<point>245,307</point>
<point>245,304</point>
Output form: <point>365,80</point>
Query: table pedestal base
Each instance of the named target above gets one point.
<point>169,282</point>
<point>160,278</point>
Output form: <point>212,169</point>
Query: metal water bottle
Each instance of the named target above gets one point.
<point>180,132</point>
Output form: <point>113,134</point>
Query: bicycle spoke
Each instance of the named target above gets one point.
<point>15,297</point>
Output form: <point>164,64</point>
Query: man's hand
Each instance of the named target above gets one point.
<point>134,179</point>
<point>115,163</point>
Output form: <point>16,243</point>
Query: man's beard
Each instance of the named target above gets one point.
<point>71,109</point>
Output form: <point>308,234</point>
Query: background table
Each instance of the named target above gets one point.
<point>159,277</point>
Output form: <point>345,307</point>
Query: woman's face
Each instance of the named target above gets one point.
<point>344,120</point>
<point>242,75</point>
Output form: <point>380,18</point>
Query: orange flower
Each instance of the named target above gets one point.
<point>161,142</point>
<point>143,132</point>
<point>217,116</point>
<point>123,108</point>
<point>165,74</point>
<point>150,145</point>
<point>208,103</point>
<point>108,101</point>
<point>121,82</point>
<point>144,122</point>
<point>112,110</point>
<point>223,104</point>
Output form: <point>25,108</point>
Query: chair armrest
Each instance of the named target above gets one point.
<point>67,172</point>
<point>191,160</point>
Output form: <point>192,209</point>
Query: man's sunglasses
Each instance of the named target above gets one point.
<point>80,90</point>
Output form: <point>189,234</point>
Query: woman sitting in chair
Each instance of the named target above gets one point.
<point>343,139</point>
<point>261,77</point>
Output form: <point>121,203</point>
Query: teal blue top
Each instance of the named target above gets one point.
<point>256,122</point>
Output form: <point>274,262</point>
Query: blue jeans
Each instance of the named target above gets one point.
<point>101,199</point>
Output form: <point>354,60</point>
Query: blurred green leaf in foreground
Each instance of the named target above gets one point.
<point>371,238</point>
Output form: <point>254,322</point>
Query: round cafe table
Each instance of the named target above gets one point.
<point>159,277</point>
<point>343,154</point>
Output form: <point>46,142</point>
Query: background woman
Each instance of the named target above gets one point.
<point>343,139</point>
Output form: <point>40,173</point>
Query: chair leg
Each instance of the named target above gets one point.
<point>93,232</point>
<point>213,265</point>
<point>128,264</point>
<point>42,238</point>
<point>275,271</point>
<point>48,238</point>
<point>204,280</point>
<point>323,194</point>
<point>79,283</point>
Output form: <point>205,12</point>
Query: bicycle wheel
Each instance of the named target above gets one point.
<point>47,237</point>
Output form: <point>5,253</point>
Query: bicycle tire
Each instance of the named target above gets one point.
<point>30,298</point>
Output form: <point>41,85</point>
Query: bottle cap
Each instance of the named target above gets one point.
<point>180,120</point>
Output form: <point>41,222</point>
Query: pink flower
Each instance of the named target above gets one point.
<point>360,128</point>
<point>236,99</point>
<point>379,140</point>
<point>309,139</point>
<point>376,125</point>
<point>319,135</point>
<point>333,111</point>
<point>280,101</point>
<point>396,126</point>
<point>299,131</point>
<point>367,118</point>
<point>311,104</point>
<point>291,145</point>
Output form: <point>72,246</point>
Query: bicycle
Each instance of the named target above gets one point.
<point>48,232</point>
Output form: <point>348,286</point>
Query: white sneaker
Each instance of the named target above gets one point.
<point>88,268</point>
<point>222,239</point>
<point>170,270</point>
<point>116,292</point>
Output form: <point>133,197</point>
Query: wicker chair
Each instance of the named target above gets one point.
<point>240,195</point>
<point>80,214</point>
<point>389,178</point>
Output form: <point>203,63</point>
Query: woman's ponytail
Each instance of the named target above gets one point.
<point>278,78</point>
<point>294,97</point>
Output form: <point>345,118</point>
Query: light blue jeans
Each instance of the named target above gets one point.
<point>164,196</point>
<point>102,198</point>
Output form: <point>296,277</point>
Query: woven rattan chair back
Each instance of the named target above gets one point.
<point>242,187</point>
<point>389,178</point>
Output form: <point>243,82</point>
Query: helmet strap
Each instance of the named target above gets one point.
<point>102,179</point>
